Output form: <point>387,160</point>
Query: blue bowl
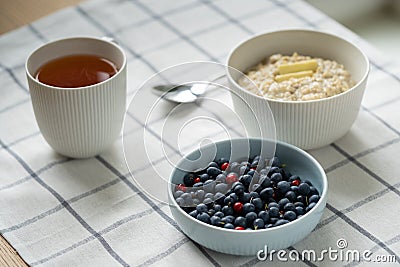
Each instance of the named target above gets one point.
<point>249,242</point>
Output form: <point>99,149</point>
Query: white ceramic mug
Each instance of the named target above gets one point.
<point>79,122</point>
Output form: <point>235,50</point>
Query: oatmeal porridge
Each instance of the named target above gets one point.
<point>297,78</point>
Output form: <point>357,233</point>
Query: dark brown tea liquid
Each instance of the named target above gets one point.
<point>76,71</point>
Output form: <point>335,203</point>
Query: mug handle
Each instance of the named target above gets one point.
<point>109,39</point>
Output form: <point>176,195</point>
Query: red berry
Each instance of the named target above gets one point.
<point>231,178</point>
<point>238,207</point>
<point>224,166</point>
<point>239,228</point>
<point>197,180</point>
<point>181,187</point>
<point>275,195</point>
<point>253,169</point>
<point>295,182</point>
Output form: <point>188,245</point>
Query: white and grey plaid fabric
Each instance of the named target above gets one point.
<point>64,212</point>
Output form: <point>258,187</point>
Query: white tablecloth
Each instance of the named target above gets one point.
<point>63,212</point>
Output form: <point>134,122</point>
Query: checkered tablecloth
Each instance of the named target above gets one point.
<point>57,211</point>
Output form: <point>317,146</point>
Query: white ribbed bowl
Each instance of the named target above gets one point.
<point>306,124</point>
<point>249,242</point>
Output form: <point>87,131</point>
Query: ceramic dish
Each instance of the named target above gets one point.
<point>306,124</point>
<point>249,242</point>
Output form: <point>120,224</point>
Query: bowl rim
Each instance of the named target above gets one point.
<point>321,201</point>
<point>302,102</point>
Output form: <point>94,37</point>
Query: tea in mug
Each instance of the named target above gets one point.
<point>76,71</point>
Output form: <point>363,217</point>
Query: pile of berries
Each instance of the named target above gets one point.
<point>248,195</point>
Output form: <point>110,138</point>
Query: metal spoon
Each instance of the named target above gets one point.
<point>182,93</point>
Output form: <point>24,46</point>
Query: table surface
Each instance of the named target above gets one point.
<point>82,212</point>
<point>14,14</point>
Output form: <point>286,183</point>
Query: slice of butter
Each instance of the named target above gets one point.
<point>298,66</point>
<point>284,77</point>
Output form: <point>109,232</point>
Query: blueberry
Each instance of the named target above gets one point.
<point>193,213</point>
<point>222,188</point>
<point>209,185</point>
<point>219,198</point>
<point>204,217</point>
<point>204,177</point>
<point>240,221</point>
<point>299,210</point>
<point>178,193</point>
<point>309,207</point>
<point>273,170</point>
<point>209,195</point>
<point>219,214</point>
<point>199,194</point>
<point>201,208</point>
<point>291,196</point>
<point>301,199</point>
<point>258,203</point>
<point>245,179</point>
<point>186,196</point>
<point>263,215</point>
<point>217,207</point>
<point>196,202</point>
<point>290,215</point>
<point>250,217</point>
<point>239,189</point>
<point>215,220</point>
<point>208,201</point>
<point>289,207</point>
<point>276,177</point>
<point>273,220</point>
<point>227,210</point>
<point>313,191</point>
<point>266,193</point>
<point>213,171</point>
<point>293,177</point>
<point>229,226</point>
<point>180,201</point>
<point>256,188</point>
<point>245,198</point>
<point>254,194</point>
<point>282,203</point>
<point>211,212</point>
<point>254,164</point>
<point>258,224</point>
<point>281,222</point>
<point>273,212</point>
<point>299,204</point>
<point>188,179</point>
<point>221,178</point>
<point>234,167</point>
<point>313,198</point>
<point>283,187</point>
<point>304,189</point>
<point>265,181</point>
<point>248,207</point>
<point>273,204</point>
<point>243,170</point>
<point>251,173</point>
<point>295,189</point>
<point>213,164</point>
<point>269,226</point>
<point>228,219</point>
<point>234,197</point>
<point>228,201</point>
<point>199,184</point>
